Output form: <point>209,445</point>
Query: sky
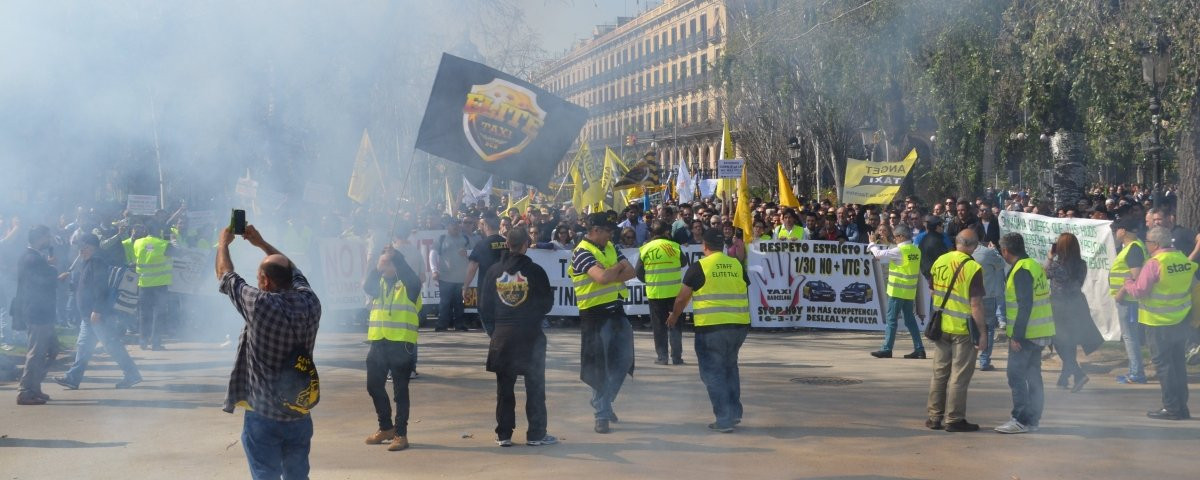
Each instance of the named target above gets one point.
<point>561,22</point>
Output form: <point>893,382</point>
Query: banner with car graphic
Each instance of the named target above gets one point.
<point>814,284</point>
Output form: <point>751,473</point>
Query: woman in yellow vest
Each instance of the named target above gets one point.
<point>395,291</point>
<point>1163,290</point>
<point>904,269</point>
<point>721,306</point>
<point>1030,329</point>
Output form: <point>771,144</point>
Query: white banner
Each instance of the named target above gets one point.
<point>814,284</point>
<point>344,267</point>
<point>1097,247</point>
<point>141,204</point>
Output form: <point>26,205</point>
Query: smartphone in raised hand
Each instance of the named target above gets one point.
<point>237,222</point>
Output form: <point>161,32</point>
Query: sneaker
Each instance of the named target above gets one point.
<point>399,443</point>
<point>129,382</point>
<point>1079,384</point>
<point>6,347</point>
<point>1193,356</point>
<point>881,354</point>
<point>962,426</point>
<point>1127,379</point>
<point>505,442</point>
<point>934,424</point>
<point>601,426</point>
<point>65,383</point>
<point>716,427</point>
<point>546,440</point>
<point>30,400</point>
<point>380,436</point>
<point>678,361</point>
<point>916,354</point>
<point>661,361</point>
<point>987,368</point>
<point>413,375</point>
<point>1012,426</point>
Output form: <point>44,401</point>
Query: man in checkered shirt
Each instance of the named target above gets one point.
<point>282,316</point>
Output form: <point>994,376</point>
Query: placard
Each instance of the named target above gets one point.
<point>730,168</point>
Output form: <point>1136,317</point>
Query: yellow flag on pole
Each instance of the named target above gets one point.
<point>520,205</point>
<point>362,179</point>
<point>786,197</point>
<point>742,216</point>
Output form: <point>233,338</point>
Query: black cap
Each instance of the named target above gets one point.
<point>601,219</point>
<point>1127,222</point>
<point>933,220</point>
<point>714,236</point>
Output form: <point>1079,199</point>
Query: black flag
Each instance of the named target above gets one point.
<point>492,121</point>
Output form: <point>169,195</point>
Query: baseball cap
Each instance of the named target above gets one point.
<point>601,219</point>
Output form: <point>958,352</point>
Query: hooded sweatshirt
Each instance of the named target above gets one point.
<point>516,293</point>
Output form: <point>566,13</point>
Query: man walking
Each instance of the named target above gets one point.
<point>1128,264</point>
<point>1163,289</point>
<point>722,315</point>
<point>89,282</point>
<point>957,279</point>
<point>37,280</point>
<point>599,271</point>
<point>904,270</point>
<point>448,264</point>
<point>516,293</point>
<point>395,291</point>
<point>1030,329</point>
<point>282,316</point>
<point>661,269</point>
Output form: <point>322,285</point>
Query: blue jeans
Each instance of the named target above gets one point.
<point>1133,336</point>
<point>990,316</point>
<point>275,448</point>
<point>85,347</point>
<point>717,355</point>
<point>897,306</point>
<point>450,305</point>
<point>1025,380</point>
<point>617,337</point>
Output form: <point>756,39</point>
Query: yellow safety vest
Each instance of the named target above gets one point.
<point>153,267</point>
<point>1041,318</point>
<point>1170,298</point>
<point>127,244</point>
<point>588,293</point>
<point>795,233</point>
<point>903,275</point>
<point>958,305</point>
<point>393,316</point>
<point>723,299</point>
<point>664,268</point>
<point>1120,270</point>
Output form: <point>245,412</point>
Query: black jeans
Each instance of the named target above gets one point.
<point>535,397</point>
<point>1170,348</point>
<point>1068,353</point>
<point>152,307</point>
<point>450,305</point>
<point>399,359</point>
<point>659,309</point>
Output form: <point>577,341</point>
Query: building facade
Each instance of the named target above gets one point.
<point>650,80</point>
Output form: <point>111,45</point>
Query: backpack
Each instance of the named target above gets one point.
<point>122,289</point>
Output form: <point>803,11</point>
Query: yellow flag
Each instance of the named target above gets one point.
<point>742,216</point>
<point>875,183</point>
<point>786,197</point>
<point>520,205</point>
<point>362,180</point>
<point>577,190</point>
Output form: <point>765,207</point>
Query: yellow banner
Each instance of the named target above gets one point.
<point>875,183</point>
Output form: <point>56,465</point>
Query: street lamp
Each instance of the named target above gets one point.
<point>1156,65</point>
<point>867,132</point>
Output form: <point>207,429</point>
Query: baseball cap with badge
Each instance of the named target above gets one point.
<point>601,220</point>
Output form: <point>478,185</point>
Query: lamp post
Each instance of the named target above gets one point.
<point>1156,64</point>
<point>867,132</point>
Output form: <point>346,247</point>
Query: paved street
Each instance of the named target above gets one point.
<point>171,426</point>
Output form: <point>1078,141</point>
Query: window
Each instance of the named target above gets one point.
<point>704,110</point>
<point>658,119</point>
<point>683,30</point>
<point>683,113</point>
<point>664,38</point>
<point>656,45</point>
<point>674,34</point>
<point>704,64</point>
<point>693,69</point>
<point>693,26</point>
<point>674,72</point>
<point>695,114</point>
<point>656,78</point>
<point>703,23</point>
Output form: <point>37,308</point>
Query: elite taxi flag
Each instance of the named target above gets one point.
<point>492,121</point>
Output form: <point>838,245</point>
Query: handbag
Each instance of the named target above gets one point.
<point>933,330</point>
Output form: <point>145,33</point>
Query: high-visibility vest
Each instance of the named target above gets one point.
<point>795,233</point>
<point>588,293</point>
<point>127,244</point>
<point>723,299</point>
<point>152,265</point>
<point>393,317</point>
<point>958,305</point>
<point>903,275</point>
<point>1041,318</point>
<point>765,237</point>
<point>1120,270</point>
<point>664,268</point>
<point>1170,298</point>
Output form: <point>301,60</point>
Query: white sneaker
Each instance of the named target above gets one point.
<point>1012,426</point>
<point>546,440</point>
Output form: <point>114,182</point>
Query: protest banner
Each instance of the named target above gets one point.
<point>731,168</point>
<point>344,267</point>
<point>814,284</point>
<point>1097,247</point>
<point>875,183</point>
<point>192,271</point>
<point>141,204</point>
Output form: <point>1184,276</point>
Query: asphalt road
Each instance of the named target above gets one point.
<point>172,427</point>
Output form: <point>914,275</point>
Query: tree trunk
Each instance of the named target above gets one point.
<point>1070,173</point>
<point>1189,169</point>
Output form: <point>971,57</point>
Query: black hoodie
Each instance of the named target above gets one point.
<point>516,293</point>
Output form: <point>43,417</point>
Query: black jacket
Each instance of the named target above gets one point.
<point>89,283</point>
<point>516,293</point>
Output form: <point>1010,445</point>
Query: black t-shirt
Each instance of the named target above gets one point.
<point>487,253</point>
<point>1136,258</point>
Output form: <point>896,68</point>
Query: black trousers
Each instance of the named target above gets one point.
<point>535,397</point>
<point>1169,350</point>
<point>659,309</point>
<point>398,359</point>
<point>152,308</point>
